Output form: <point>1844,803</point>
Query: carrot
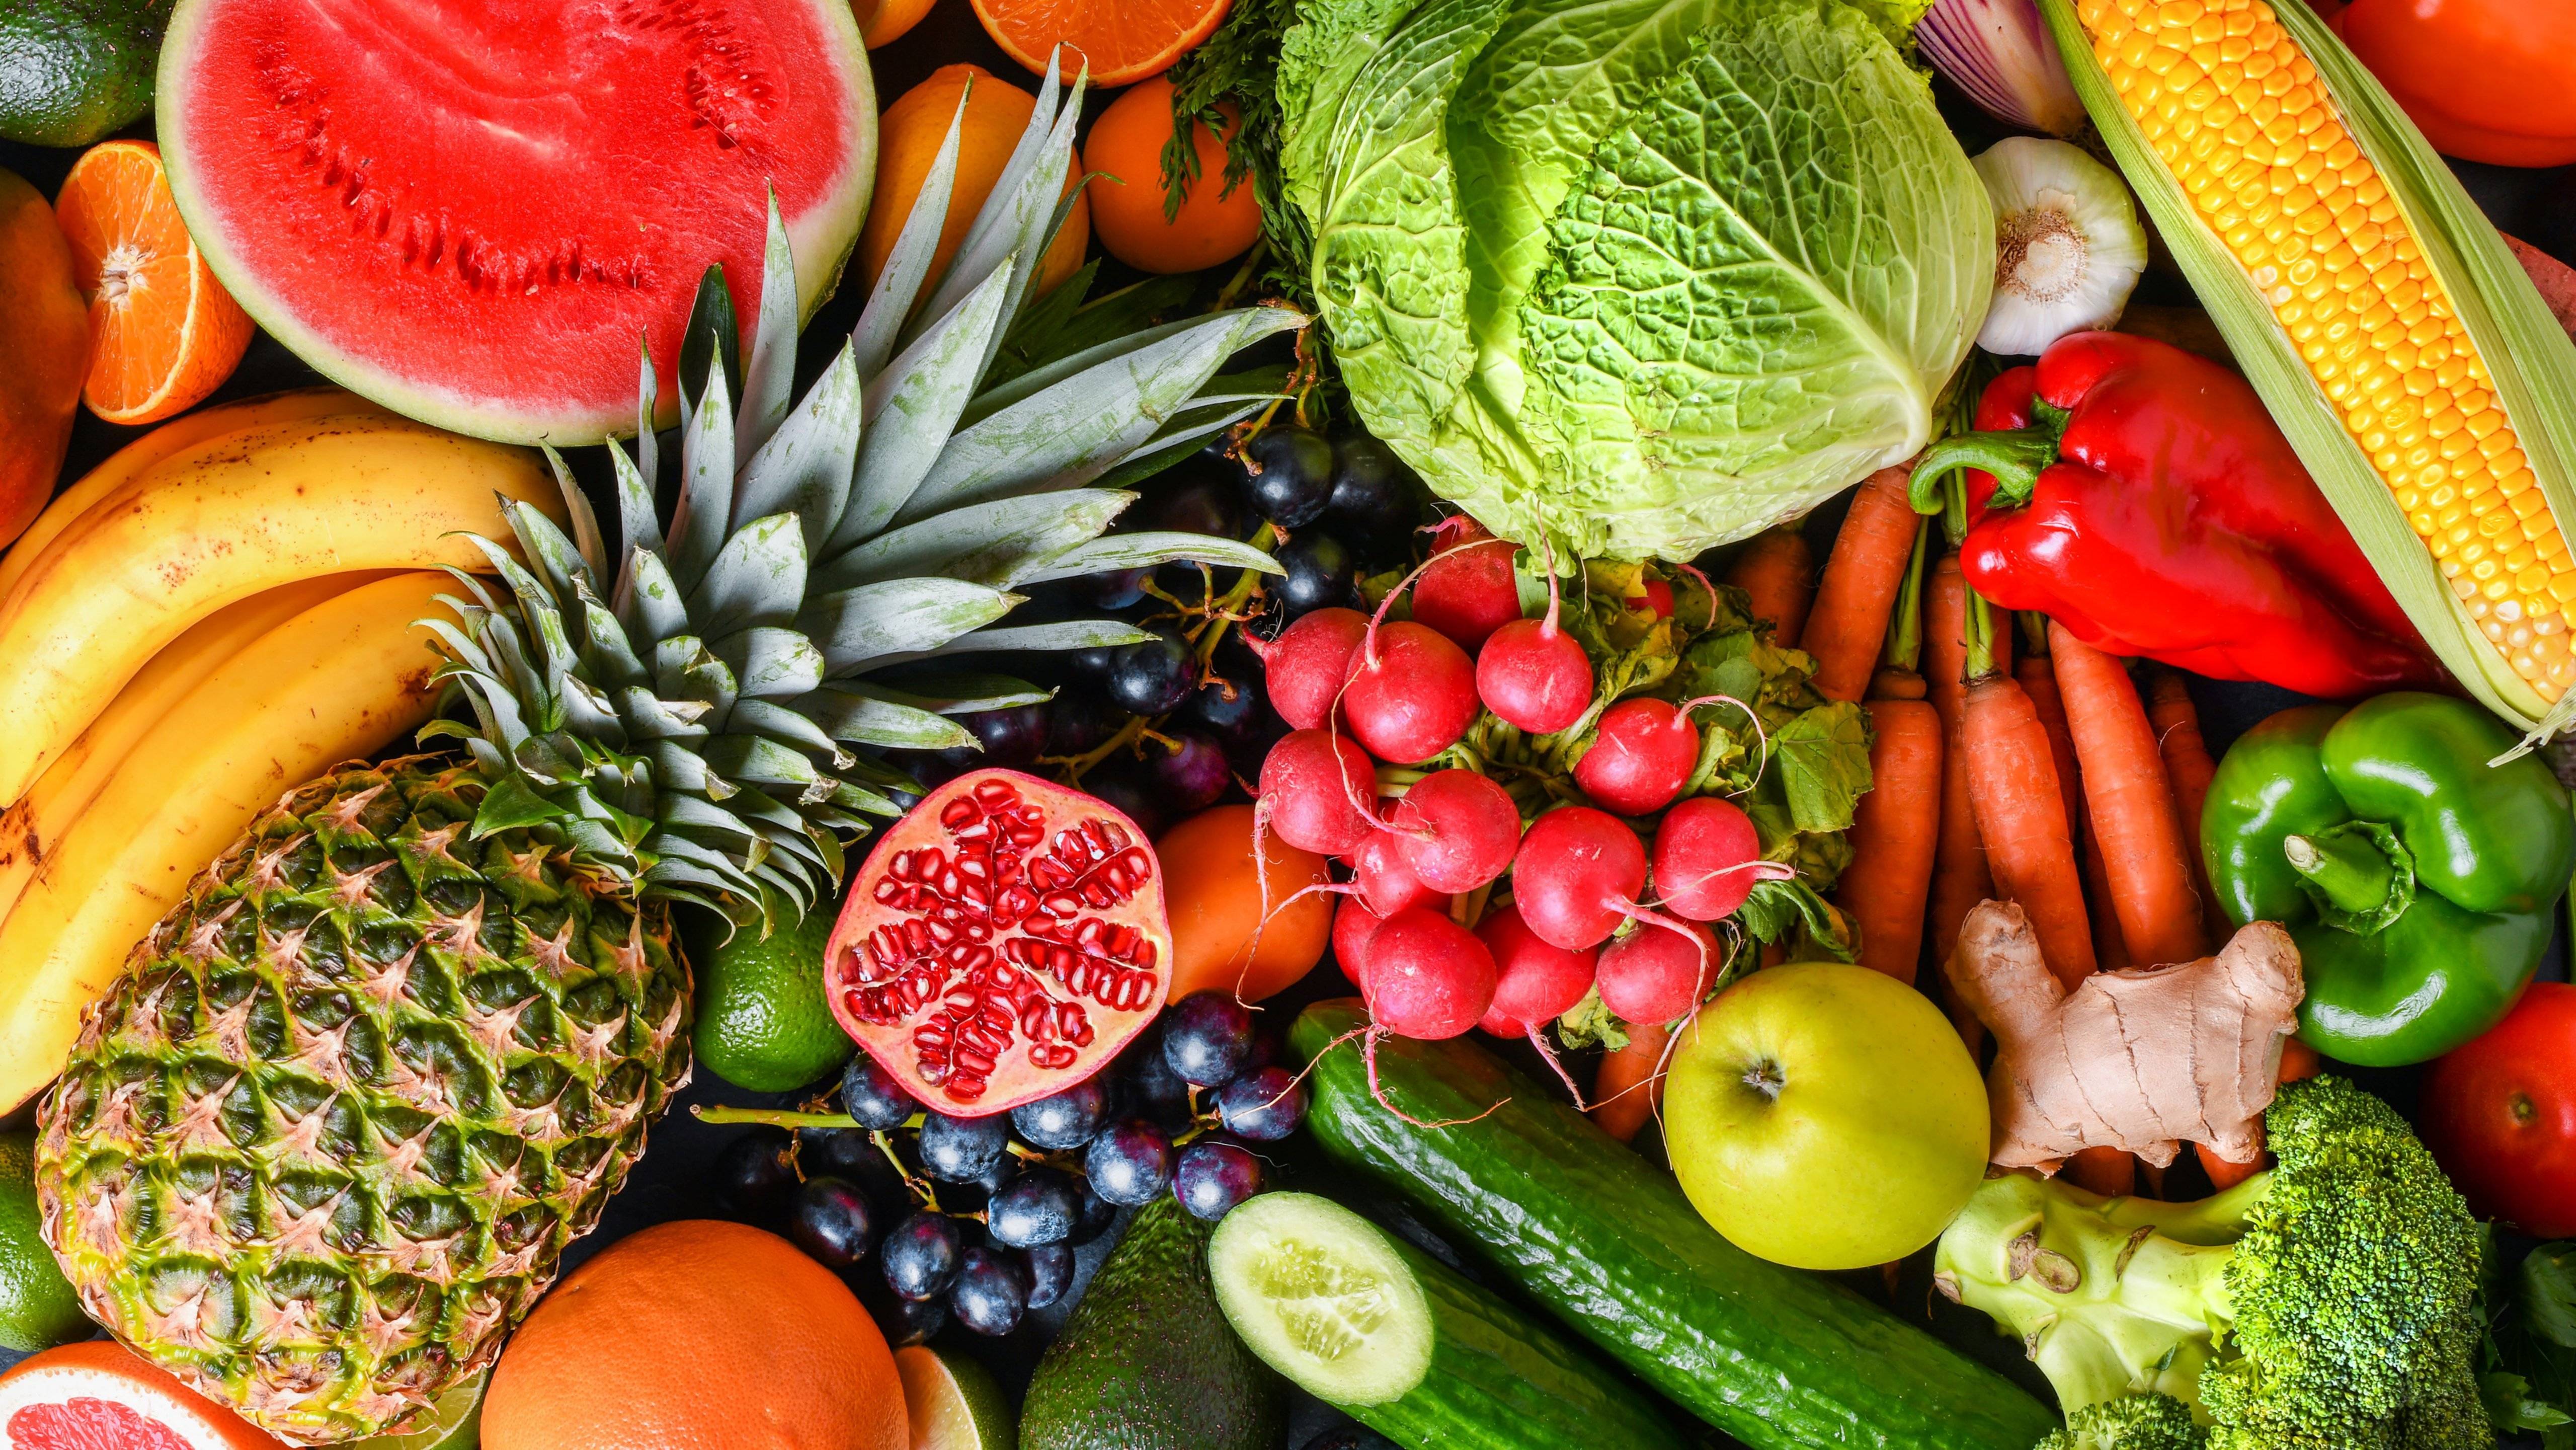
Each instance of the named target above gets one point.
<point>2298,1060</point>
<point>1848,622</point>
<point>1779,571</point>
<point>2021,816</point>
<point>2187,764</point>
<point>1628,1087</point>
<point>2110,1171</point>
<point>2131,805</point>
<point>2110,949</point>
<point>1960,876</point>
<point>2038,678</point>
<point>1894,831</point>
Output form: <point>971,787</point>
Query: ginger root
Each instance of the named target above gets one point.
<point>2142,1059</point>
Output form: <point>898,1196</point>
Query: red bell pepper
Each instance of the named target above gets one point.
<point>2141,496</point>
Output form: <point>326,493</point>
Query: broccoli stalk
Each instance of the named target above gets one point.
<point>2328,1304</point>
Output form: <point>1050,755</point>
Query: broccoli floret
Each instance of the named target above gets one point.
<point>2329,1304</point>
<point>2131,1422</point>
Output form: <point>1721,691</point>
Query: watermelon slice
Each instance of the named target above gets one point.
<point>470,210</point>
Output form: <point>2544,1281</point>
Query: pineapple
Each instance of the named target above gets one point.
<point>329,1137</point>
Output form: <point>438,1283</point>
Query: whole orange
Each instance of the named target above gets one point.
<point>1217,903</point>
<point>1126,145</point>
<point>697,1335</point>
<point>909,136</point>
<point>44,331</point>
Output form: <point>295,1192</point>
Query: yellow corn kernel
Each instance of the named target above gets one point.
<point>2239,115</point>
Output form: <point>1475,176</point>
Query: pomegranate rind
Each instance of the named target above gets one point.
<point>122,1401</point>
<point>528,190</point>
<point>1072,947</point>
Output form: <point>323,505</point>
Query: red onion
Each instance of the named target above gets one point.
<point>2000,54</point>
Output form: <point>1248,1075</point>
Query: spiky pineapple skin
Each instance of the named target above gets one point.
<point>327,1140</point>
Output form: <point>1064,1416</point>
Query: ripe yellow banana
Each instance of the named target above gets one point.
<point>30,830</point>
<point>138,457</point>
<point>254,510</point>
<point>344,679</point>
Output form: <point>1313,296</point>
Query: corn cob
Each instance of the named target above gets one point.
<point>2299,195</point>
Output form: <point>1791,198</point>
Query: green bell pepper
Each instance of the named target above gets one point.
<point>2419,881</point>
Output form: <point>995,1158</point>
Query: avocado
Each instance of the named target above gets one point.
<point>1147,1361</point>
<point>76,71</point>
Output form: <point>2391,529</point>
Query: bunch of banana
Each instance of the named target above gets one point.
<point>217,614</point>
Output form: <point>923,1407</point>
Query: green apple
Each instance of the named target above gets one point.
<point>1825,1116</point>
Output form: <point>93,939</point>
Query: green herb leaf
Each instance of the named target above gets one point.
<point>1823,757</point>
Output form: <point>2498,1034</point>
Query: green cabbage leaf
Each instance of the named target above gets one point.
<point>1629,278</point>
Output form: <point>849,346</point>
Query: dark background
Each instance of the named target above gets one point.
<point>676,1178</point>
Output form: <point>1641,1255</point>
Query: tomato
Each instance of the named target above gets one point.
<point>2500,1114</point>
<point>2491,80</point>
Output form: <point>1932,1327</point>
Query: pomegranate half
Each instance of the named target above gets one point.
<point>1003,941</point>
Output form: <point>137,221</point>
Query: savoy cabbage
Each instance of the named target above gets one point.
<point>1633,277</point>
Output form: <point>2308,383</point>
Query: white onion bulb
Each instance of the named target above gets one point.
<point>2068,247</point>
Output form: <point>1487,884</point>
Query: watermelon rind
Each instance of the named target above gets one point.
<point>822,238</point>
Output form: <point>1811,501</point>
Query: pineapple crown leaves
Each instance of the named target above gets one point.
<point>706,728</point>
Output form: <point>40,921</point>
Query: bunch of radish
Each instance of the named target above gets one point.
<point>1590,905</point>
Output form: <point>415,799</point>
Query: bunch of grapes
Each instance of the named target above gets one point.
<point>977,1219</point>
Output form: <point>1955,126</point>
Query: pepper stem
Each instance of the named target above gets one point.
<point>2362,876</point>
<point>2014,456</point>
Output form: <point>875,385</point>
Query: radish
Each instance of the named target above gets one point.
<point>1707,858</point>
<point>1578,874</point>
<point>1642,754</point>
<point>1426,976</point>
<point>1532,673</point>
<point>1387,882</point>
<point>1354,926</point>
<point>1314,789</point>
<point>1305,666</point>
<point>1651,976</point>
<point>1534,982</point>
<point>1456,829</point>
<point>1411,693</point>
<point>1467,591</point>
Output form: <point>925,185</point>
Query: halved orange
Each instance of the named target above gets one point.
<point>1123,40</point>
<point>99,1393</point>
<point>163,332</point>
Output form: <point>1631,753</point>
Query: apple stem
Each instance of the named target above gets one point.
<point>1766,1079</point>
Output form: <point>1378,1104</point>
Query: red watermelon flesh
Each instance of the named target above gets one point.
<point>471,210</point>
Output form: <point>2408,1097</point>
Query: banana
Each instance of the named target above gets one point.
<point>31,829</point>
<point>344,679</point>
<point>171,438</point>
<point>254,510</point>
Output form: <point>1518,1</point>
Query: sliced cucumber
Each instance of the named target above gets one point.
<point>1406,1346</point>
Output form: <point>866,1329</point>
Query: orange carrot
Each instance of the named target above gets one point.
<point>2187,764</point>
<point>1960,876</point>
<point>1627,1088</point>
<point>2110,949</point>
<point>2039,681</point>
<point>1848,623</point>
<point>1894,831</point>
<point>1779,571</point>
<point>2131,804</point>
<point>2298,1060</point>
<point>2021,816</point>
<point>2111,1171</point>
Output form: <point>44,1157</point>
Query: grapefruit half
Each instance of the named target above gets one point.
<point>101,1394</point>
<point>471,210</point>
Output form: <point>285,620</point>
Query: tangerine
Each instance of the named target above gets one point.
<point>99,1393</point>
<point>1120,40</point>
<point>1235,928</point>
<point>883,22</point>
<point>46,335</point>
<point>697,1335</point>
<point>909,136</point>
<point>1128,197</point>
<point>163,332</point>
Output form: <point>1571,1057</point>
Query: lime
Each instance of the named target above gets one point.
<point>762,1020</point>
<point>459,1425</point>
<point>38,1309</point>
<point>953,1402</point>
<point>74,71</point>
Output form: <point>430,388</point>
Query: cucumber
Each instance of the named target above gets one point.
<point>1773,1356</point>
<point>1404,1345</point>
